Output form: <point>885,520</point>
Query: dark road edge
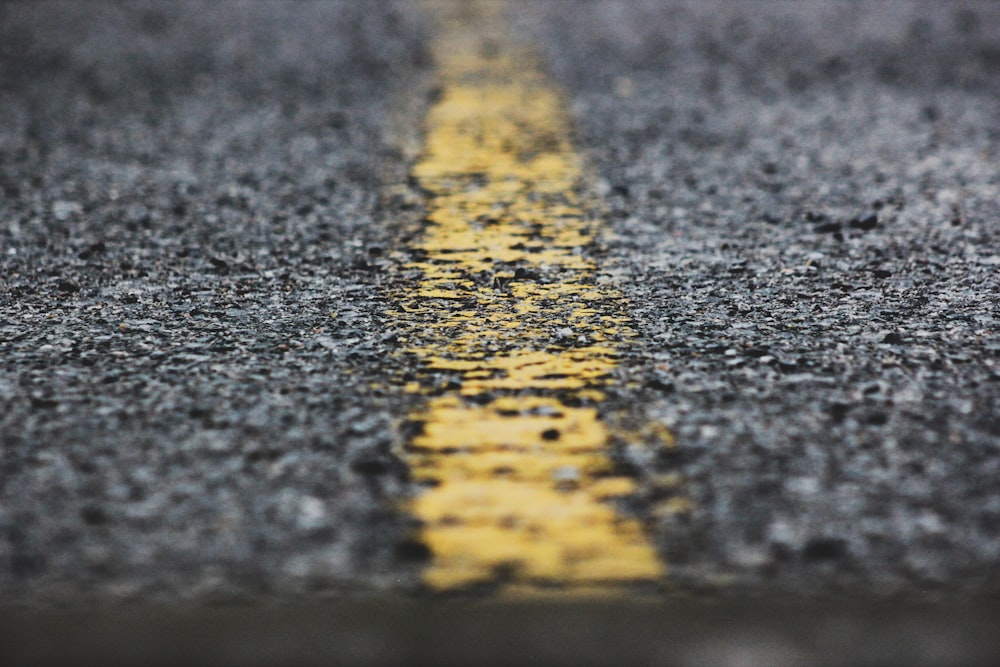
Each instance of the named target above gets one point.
<point>456,632</point>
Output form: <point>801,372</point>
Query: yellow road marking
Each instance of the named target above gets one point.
<point>514,336</point>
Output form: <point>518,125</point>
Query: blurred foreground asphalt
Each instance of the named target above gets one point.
<point>774,633</point>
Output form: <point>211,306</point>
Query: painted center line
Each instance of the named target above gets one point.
<point>514,335</point>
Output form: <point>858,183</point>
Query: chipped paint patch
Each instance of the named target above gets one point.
<point>513,336</point>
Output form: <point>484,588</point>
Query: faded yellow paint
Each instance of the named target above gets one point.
<point>512,336</point>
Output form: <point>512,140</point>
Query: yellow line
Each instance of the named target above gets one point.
<point>514,335</point>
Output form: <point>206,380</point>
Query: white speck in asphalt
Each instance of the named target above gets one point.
<point>312,513</point>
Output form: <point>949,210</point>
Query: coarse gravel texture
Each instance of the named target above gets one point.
<point>807,204</point>
<point>190,311</point>
<point>197,242</point>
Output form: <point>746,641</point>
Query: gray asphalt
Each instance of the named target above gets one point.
<point>190,279</point>
<point>200,208</point>
<point>806,201</point>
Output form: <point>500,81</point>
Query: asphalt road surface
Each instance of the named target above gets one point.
<point>208,213</point>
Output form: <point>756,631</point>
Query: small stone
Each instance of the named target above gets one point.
<point>877,419</point>
<point>67,285</point>
<point>864,223</point>
<point>566,474</point>
<point>750,557</point>
<point>312,513</point>
<point>806,486</point>
<point>220,265</point>
<point>91,250</point>
<point>838,411</point>
<point>62,210</point>
<point>825,548</point>
<point>93,515</point>
<point>827,228</point>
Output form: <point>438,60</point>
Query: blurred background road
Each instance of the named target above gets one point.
<point>200,207</point>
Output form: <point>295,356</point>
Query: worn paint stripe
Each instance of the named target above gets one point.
<point>512,334</point>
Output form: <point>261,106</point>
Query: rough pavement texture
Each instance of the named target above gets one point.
<point>192,246</point>
<point>807,201</point>
<point>187,282</point>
